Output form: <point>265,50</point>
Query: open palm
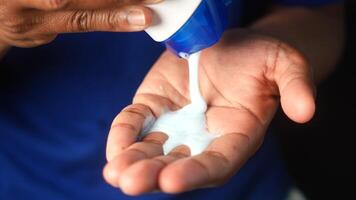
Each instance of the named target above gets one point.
<point>242,78</point>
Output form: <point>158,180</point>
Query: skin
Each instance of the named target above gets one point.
<point>241,79</point>
<point>244,78</point>
<point>30,23</point>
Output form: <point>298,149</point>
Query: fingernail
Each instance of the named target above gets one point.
<point>136,17</point>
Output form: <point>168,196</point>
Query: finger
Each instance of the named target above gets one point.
<point>213,167</point>
<point>162,86</point>
<point>297,98</point>
<point>42,4</point>
<point>28,42</point>
<point>296,88</point>
<point>150,146</point>
<point>142,177</point>
<point>127,18</point>
<point>158,104</point>
<point>95,4</point>
<point>78,4</point>
<point>125,128</point>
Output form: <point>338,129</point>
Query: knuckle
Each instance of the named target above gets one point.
<point>21,24</point>
<point>123,126</point>
<point>80,21</point>
<point>53,4</point>
<point>16,25</point>
<point>111,20</point>
<point>136,111</point>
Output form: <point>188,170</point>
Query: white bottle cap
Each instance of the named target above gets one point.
<point>169,17</point>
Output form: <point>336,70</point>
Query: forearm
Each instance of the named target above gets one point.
<point>316,33</point>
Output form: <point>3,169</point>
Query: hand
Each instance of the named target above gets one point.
<point>29,23</point>
<point>242,79</point>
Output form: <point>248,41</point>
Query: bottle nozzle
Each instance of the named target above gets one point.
<point>202,28</point>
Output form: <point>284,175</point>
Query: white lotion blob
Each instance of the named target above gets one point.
<point>186,126</point>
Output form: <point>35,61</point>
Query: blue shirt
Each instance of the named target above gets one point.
<point>56,105</point>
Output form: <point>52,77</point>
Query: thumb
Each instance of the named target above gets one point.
<point>296,88</point>
<point>122,19</point>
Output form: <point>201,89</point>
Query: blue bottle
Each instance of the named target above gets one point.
<point>189,26</point>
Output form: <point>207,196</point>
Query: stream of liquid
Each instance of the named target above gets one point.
<point>186,126</point>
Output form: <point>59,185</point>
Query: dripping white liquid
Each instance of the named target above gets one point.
<point>186,126</point>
